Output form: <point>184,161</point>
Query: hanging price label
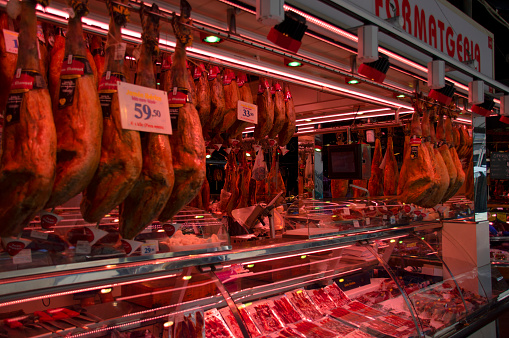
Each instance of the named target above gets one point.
<point>23,257</point>
<point>148,249</point>
<point>11,41</point>
<point>144,109</point>
<point>247,112</point>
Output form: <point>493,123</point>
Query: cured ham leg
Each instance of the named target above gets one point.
<point>279,110</point>
<point>376,181</point>
<point>231,96</point>
<point>443,148</point>
<point>245,95</point>
<point>77,114</point>
<point>217,99</point>
<point>432,199</point>
<point>7,63</point>
<point>416,176</point>
<point>460,177</point>
<point>265,110</point>
<point>442,170</point>
<point>98,55</point>
<point>187,144</point>
<point>288,129</point>
<point>202,93</point>
<point>121,160</point>
<point>29,141</point>
<point>153,188</point>
<point>391,173</point>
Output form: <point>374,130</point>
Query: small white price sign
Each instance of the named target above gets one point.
<point>148,249</point>
<point>39,234</point>
<point>83,248</point>
<point>23,257</point>
<point>247,112</point>
<point>11,41</point>
<point>144,109</point>
<point>356,223</point>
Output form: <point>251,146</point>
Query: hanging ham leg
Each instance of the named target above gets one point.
<point>288,129</point>
<point>202,93</point>
<point>460,174</point>
<point>217,99</point>
<point>443,148</point>
<point>416,177</point>
<point>391,174</point>
<point>443,172</point>
<point>245,95</point>
<point>121,160</point>
<point>279,110</point>
<point>244,184</point>
<point>27,165</point>
<point>98,55</point>
<point>78,116</point>
<point>265,110</point>
<point>153,188</point>
<point>187,144</point>
<point>376,181</point>
<point>231,96</point>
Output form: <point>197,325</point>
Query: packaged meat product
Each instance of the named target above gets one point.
<point>380,328</point>
<point>228,317</point>
<point>27,165</point>
<point>349,317</point>
<point>215,327</point>
<point>304,304</point>
<point>155,183</point>
<point>363,309</point>
<point>396,320</point>
<point>265,318</point>
<point>358,334</point>
<point>285,310</point>
<point>265,110</point>
<point>336,294</point>
<point>311,330</point>
<point>77,114</point>
<point>187,143</point>
<point>335,326</point>
<point>288,333</point>
<point>321,299</point>
<point>248,320</point>
<point>121,160</point>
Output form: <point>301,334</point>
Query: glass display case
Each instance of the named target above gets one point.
<point>395,281</point>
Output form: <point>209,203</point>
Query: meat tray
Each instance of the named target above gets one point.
<point>215,326</point>
<point>335,326</point>
<point>321,299</point>
<point>288,333</point>
<point>358,307</point>
<point>310,330</point>
<point>228,317</point>
<point>349,317</point>
<point>265,318</point>
<point>285,310</point>
<point>336,294</point>
<point>303,303</point>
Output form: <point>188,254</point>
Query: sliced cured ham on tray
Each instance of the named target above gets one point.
<point>349,317</point>
<point>285,310</point>
<point>336,294</point>
<point>321,299</point>
<point>304,304</point>
<point>215,326</point>
<point>311,330</point>
<point>265,318</point>
<point>358,307</point>
<point>335,326</point>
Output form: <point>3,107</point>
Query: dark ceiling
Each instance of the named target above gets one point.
<point>483,16</point>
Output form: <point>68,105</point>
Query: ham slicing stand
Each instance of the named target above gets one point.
<point>249,217</point>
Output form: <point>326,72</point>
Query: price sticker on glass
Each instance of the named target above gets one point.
<point>247,112</point>
<point>144,109</point>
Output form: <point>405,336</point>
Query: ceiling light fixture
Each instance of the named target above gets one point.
<point>294,64</point>
<point>400,96</point>
<point>351,81</point>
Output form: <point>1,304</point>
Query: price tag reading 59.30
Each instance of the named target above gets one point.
<point>144,109</point>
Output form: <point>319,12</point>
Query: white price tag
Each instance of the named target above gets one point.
<point>23,257</point>
<point>347,211</point>
<point>11,41</point>
<point>247,112</point>
<point>154,242</point>
<point>148,249</point>
<point>39,235</point>
<point>384,217</point>
<point>368,221</point>
<point>355,223</point>
<point>144,109</point>
<point>83,248</point>
<point>393,219</point>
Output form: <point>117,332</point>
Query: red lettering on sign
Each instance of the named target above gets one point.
<point>420,24</point>
<point>432,31</point>
<point>378,4</point>
<point>490,42</point>
<point>407,12</point>
<point>449,37</point>
<point>477,55</point>
<point>466,50</point>
<point>441,27</point>
<point>459,46</point>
